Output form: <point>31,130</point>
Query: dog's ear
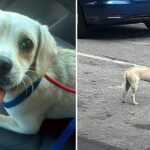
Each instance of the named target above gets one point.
<point>46,51</point>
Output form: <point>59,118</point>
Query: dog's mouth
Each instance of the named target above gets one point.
<point>5,83</point>
<point>8,83</point>
<point>2,94</point>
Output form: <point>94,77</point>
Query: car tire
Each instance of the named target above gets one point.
<point>82,26</point>
<point>147,24</point>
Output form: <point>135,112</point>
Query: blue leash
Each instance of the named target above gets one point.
<point>64,136</point>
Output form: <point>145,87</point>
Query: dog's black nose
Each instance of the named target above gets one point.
<point>5,65</point>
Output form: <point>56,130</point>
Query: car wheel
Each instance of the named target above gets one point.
<point>82,26</point>
<point>147,24</point>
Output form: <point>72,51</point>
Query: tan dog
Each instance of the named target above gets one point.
<point>132,76</point>
<point>27,52</point>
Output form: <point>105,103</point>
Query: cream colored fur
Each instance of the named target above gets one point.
<point>48,101</point>
<point>132,76</point>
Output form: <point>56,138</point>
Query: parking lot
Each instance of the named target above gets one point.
<point>104,123</point>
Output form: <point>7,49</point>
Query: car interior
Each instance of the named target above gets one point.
<point>59,15</point>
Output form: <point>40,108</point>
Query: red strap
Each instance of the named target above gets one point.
<point>64,87</point>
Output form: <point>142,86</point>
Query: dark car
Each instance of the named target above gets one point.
<point>111,12</point>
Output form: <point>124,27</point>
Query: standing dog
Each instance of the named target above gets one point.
<point>27,52</point>
<point>132,76</point>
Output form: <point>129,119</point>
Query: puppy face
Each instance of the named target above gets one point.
<point>26,47</point>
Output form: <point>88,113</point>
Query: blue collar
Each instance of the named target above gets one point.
<point>21,97</point>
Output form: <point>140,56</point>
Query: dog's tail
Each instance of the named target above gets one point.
<point>125,84</point>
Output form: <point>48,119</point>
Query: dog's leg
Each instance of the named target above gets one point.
<point>124,97</point>
<point>126,87</point>
<point>134,89</point>
<point>9,123</point>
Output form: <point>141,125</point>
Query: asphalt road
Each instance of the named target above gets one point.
<point>104,123</point>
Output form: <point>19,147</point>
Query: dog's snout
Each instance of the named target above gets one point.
<point>5,65</point>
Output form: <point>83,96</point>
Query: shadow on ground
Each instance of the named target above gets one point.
<point>118,32</point>
<point>85,144</point>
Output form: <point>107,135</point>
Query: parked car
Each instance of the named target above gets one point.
<point>111,12</point>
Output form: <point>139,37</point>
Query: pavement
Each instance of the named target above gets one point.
<point>104,122</point>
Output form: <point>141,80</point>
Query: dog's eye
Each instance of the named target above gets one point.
<point>26,44</point>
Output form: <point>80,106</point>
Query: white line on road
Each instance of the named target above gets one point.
<point>107,59</point>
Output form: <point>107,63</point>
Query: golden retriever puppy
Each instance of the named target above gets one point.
<point>28,52</point>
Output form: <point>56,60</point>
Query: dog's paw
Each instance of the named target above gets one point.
<point>135,103</point>
<point>123,101</point>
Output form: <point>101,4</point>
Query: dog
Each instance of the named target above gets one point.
<point>132,76</point>
<point>27,52</point>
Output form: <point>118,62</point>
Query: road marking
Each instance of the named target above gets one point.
<point>107,59</point>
